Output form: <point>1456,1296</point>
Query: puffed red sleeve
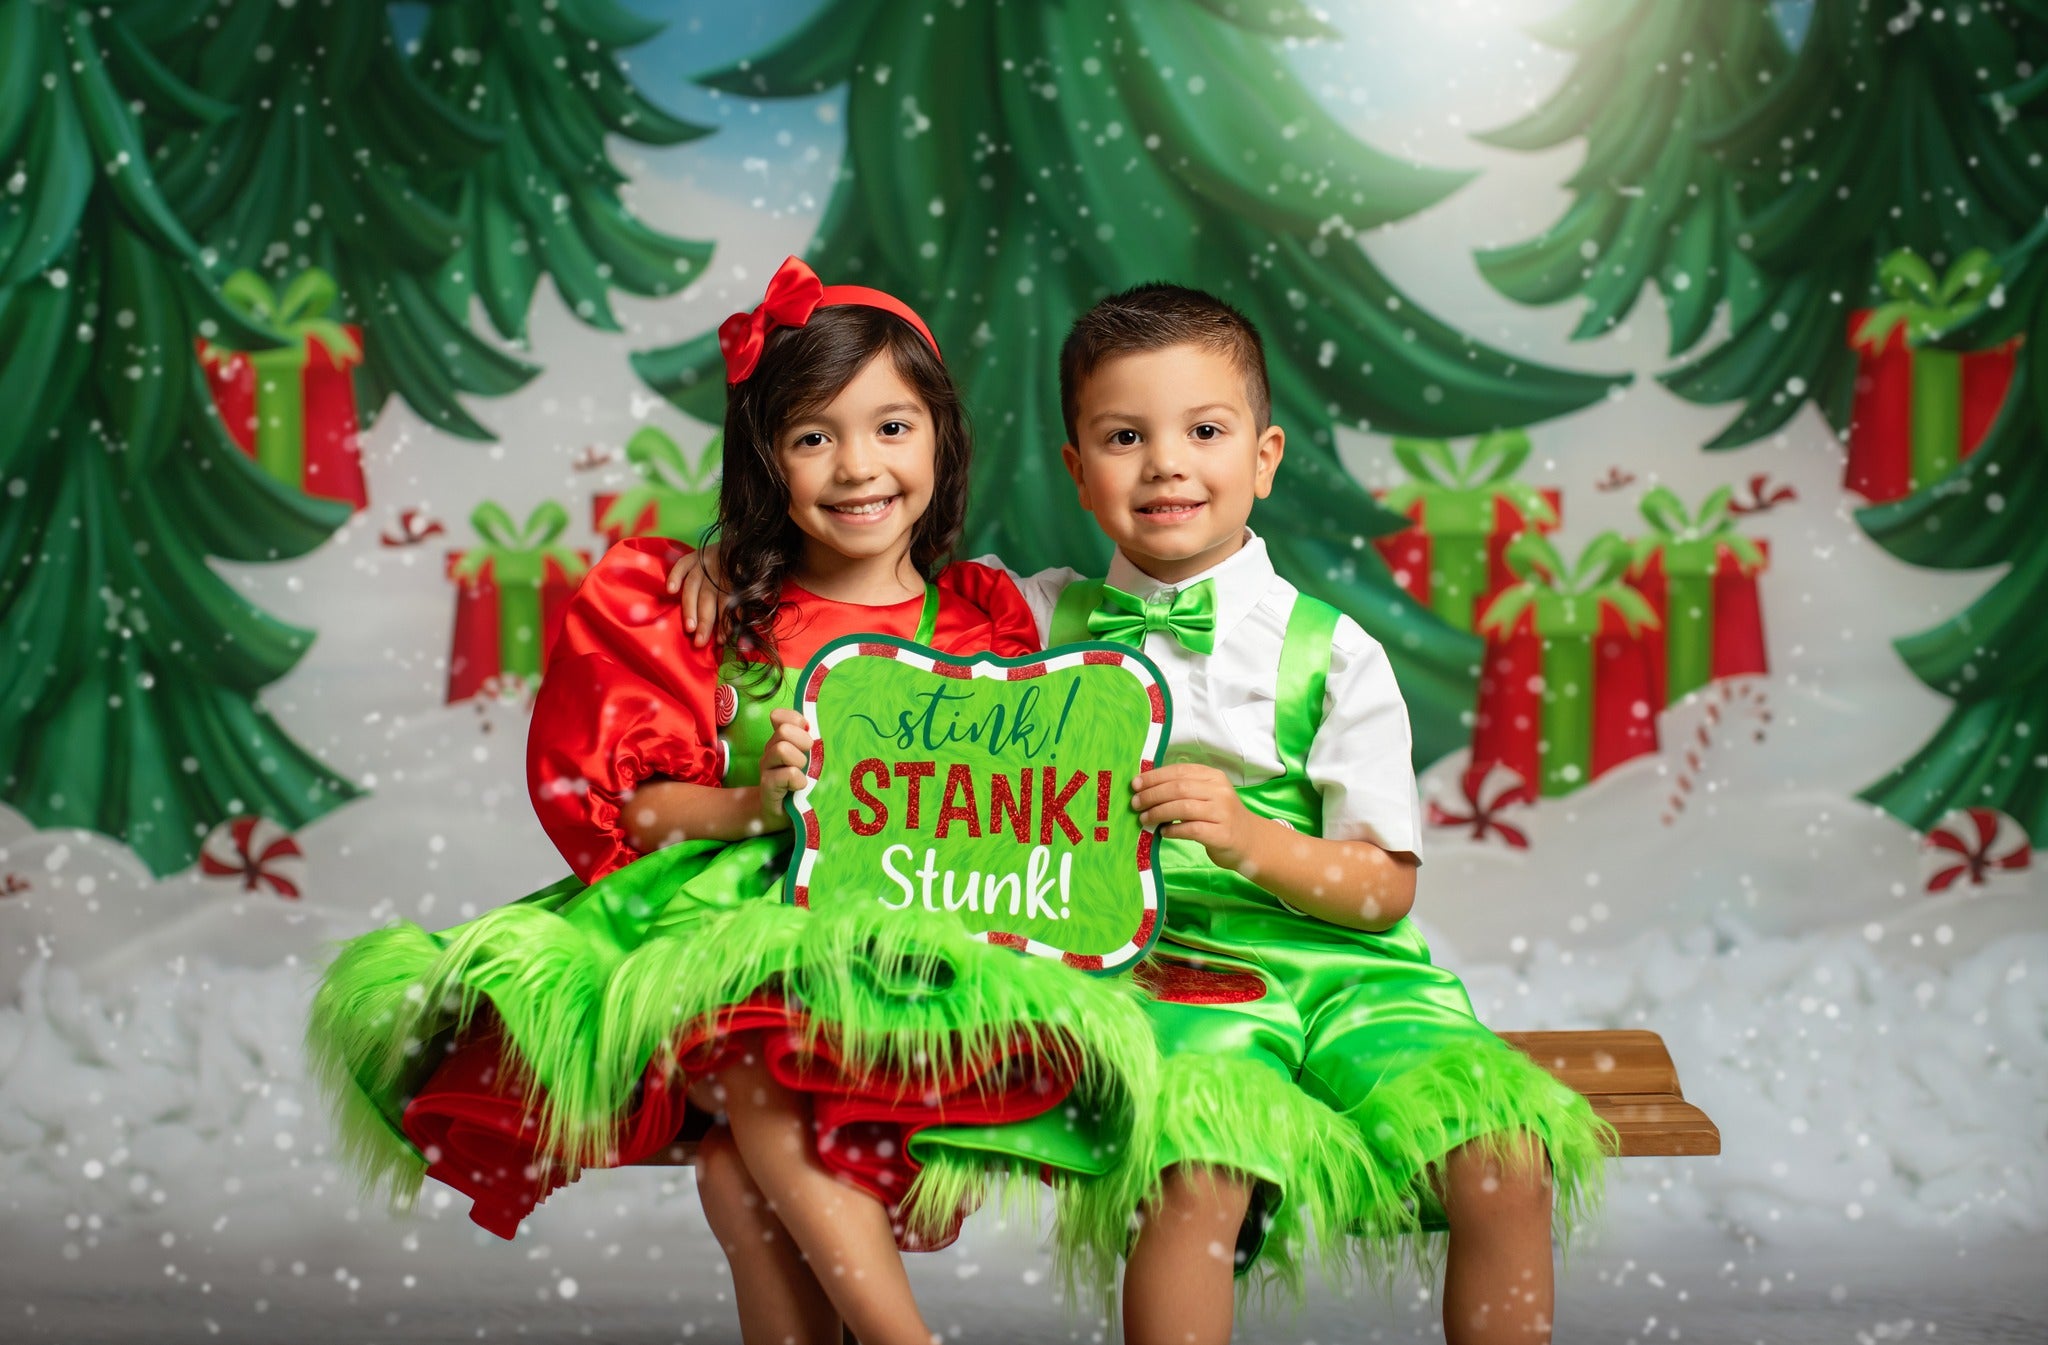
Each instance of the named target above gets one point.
<point>626,698</point>
<point>982,609</point>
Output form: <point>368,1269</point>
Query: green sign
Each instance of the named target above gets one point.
<point>994,789</point>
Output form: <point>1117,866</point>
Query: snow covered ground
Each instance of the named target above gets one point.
<point>167,1171</point>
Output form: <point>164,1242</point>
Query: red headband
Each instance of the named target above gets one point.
<point>794,293</point>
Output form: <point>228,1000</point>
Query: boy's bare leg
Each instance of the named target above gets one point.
<point>1180,1279</point>
<point>1498,1285</point>
<point>843,1233</point>
<point>780,1300</point>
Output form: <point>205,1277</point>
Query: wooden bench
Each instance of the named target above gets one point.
<point>1629,1078</point>
<point>1627,1075</point>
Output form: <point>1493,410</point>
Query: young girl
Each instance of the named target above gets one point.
<point>865,1063</point>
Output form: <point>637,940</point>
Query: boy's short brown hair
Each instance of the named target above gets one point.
<point>1153,317</point>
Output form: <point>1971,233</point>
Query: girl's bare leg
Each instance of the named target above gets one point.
<point>1498,1284</point>
<point>1179,1281</point>
<point>843,1233</point>
<point>780,1300</point>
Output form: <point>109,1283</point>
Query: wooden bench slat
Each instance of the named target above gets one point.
<point>1658,1124</point>
<point>1625,1061</point>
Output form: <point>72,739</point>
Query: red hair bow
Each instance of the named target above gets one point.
<point>794,293</point>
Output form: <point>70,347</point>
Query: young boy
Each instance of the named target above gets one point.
<point>1323,1078</point>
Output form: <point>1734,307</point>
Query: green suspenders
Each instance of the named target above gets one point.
<point>1300,688</point>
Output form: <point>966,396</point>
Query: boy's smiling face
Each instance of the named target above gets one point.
<point>1169,456</point>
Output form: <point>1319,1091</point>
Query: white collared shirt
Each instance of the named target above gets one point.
<point>1223,702</point>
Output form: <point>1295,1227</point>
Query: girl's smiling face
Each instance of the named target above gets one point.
<point>859,471</point>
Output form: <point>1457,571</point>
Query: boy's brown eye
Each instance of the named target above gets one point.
<point>1123,438</point>
<point>1206,431</point>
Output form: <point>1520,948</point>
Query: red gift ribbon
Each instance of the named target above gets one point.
<point>794,293</point>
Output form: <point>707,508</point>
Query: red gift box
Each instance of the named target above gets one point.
<point>293,409</point>
<point>1548,636</point>
<point>1466,513</point>
<point>672,499</point>
<point>1409,553</point>
<point>1717,627</point>
<point>1738,619</point>
<point>1920,410</point>
<point>511,594</point>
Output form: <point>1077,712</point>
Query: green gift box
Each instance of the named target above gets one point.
<point>1564,694</point>
<point>514,586</point>
<point>1467,511</point>
<point>1683,567</point>
<point>292,408</point>
<point>672,498</point>
<point>1919,409</point>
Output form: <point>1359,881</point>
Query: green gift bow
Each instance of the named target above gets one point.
<point>684,499</point>
<point>1458,510</point>
<point>300,314</point>
<point>517,558</point>
<point>1928,306</point>
<point>1690,548</point>
<point>1691,543</point>
<point>1189,617</point>
<point>1926,303</point>
<point>1566,600</point>
<point>1565,603</point>
<point>300,317</point>
<point>1458,496</point>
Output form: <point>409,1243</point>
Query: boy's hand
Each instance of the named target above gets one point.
<point>1196,803</point>
<point>784,764</point>
<point>695,578</point>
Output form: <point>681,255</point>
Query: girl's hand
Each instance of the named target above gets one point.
<point>1196,803</point>
<point>784,765</point>
<point>696,579</point>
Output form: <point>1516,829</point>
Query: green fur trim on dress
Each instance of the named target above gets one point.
<point>907,992</point>
<point>355,1016</point>
<point>1318,1177</point>
<point>1360,1188</point>
<point>1489,1097</point>
<point>1092,1210</point>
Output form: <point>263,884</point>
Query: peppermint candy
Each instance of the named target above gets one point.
<point>1488,792</point>
<point>257,851</point>
<point>1971,844</point>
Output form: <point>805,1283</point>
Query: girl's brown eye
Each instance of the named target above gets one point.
<point>892,428</point>
<point>811,440</point>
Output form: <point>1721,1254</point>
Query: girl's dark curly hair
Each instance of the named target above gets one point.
<point>801,370</point>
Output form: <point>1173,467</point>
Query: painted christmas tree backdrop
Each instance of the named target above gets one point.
<point>190,181</point>
<point>1664,385</point>
<point>456,268</point>
<point>1015,164</point>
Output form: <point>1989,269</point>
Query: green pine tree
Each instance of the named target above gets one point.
<point>546,198</point>
<point>130,671</point>
<point>1008,165</point>
<point>1651,205</point>
<point>1887,130</point>
<point>151,147</point>
<point>332,159</point>
<point>1991,658</point>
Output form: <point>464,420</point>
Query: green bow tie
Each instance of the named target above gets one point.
<point>1190,618</point>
